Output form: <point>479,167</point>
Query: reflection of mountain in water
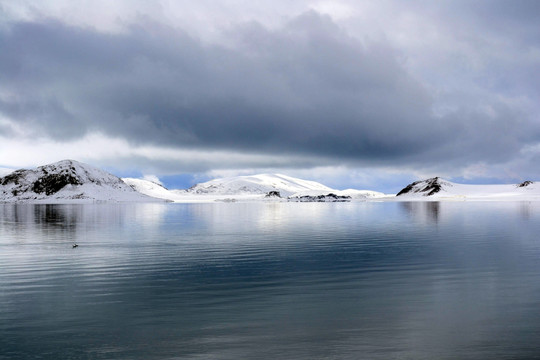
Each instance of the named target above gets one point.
<point>525,210</point>
<point>435,212</point>
<point>428,211</point>
<point>75,223</point>
<point>56,217</point>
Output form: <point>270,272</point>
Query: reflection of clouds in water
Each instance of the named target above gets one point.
<point>271,216</point>
<point>453,311</point>
<point>151,214</point>
<point>257,228</point>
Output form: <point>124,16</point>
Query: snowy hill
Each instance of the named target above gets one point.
<point>439,189</point>
<point>255,187</point>
<point>66,181</point>
<point>257,184</point>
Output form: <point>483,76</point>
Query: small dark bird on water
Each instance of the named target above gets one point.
<point>75,245</point>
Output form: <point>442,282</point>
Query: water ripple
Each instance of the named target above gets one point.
<point>229,281</point>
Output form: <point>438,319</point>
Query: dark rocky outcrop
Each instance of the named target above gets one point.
<point>273,194</point>
<point>14,177</point>
<point>52,183</point>
<point>321,198</point>
<point>525,184</point>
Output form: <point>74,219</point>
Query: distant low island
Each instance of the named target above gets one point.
<point>69,181</point>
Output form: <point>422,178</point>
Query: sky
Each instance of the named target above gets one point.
<point>354,94</point>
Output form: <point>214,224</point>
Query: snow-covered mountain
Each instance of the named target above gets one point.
<point>257,184</point>
<point>66,181</point>
<point>427,187</point>
<point>439,189</point>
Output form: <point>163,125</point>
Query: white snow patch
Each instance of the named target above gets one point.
<point>5,171</point>
<point>152,178</point>
<point>151,188</point>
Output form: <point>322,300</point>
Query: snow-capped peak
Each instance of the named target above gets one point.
<point>66,180</point>
<point>426,187</point>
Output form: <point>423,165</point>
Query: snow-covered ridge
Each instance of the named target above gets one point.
<point>70,181</point>
<point>439,189</point>
<point>66,181</point>
<point>257,184</point>
<point>153,189</point>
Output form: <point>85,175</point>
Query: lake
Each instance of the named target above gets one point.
<point>365,280</point>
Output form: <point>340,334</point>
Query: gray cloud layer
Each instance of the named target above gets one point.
<point>306,88</point>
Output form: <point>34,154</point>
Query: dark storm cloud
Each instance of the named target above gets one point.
<point>503,40</point>
<point>47,114</point>
<point>307,88</point>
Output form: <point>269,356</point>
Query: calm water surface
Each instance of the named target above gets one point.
<point>270,281</point>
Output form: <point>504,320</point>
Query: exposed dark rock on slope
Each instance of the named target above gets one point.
<point>525,183</point>
<point>273,194</point>
<point>425,187</point>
